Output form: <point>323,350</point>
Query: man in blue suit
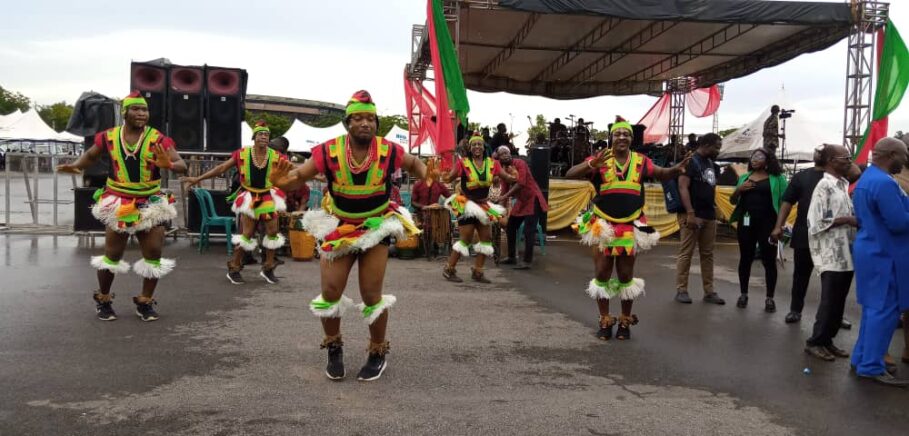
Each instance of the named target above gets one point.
<point>881,254</point>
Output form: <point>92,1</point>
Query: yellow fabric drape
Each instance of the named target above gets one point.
<point>567,198</point>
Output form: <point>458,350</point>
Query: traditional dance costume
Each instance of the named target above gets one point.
<point>256,197</point>
<point>131,200</point>
<point>616,225</point>
<point>470,206</point>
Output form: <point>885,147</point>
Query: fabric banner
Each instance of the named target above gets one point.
<point>568,198</point>
<point>892,81</point>
<point>701,102</point>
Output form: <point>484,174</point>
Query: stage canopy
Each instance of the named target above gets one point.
<point>568,49</point>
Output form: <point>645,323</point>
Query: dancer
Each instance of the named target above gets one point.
<point>132,203</point>
<point>255,201</point>
<point>355,227</point>
<point>473,210</point>
<point>616,226</point>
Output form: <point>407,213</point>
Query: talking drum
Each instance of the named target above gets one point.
<point>438,225</point>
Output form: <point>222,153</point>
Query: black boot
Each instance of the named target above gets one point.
<point>335,368</point>
<point>625,323</point>
<point>375,362</point>
<point>606,323</point>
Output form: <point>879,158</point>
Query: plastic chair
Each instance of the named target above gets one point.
<point>315,199</point>
<point>211,218</point>
<point>405,198</point>
<point>540,236</point>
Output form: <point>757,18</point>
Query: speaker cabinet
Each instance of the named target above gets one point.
<point>150,79</point>
<point>83,220</point>
<point>185,107</point>
<point>224,108</point>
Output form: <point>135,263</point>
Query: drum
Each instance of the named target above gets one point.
<point>302,245</point>
<point>438,225</point>
<point>407,247</point>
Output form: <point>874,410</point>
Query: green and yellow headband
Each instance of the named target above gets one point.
<point>620,123</point>
<point>261,127</point>
<point>476,139</point>
<point>360,102</point>
<point>132,99</point>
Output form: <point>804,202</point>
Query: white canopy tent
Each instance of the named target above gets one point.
<point>30,133</point>
<point>246,135</point>
<point>303,138</point>
<point>802,135</point>
<point>6,120</point>
<point>400,136</point>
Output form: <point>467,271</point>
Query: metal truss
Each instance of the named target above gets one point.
<point>506,53</point>
<point>702,47</point>
<point>678,88</point>
<point>634,42</point>
<point>582,45</point>
<point>868,17</point>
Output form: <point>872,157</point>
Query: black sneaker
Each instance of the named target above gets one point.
<point>682,297</point>
<point>769,306</point>
<point>269,276</point>
<point>105,310</point>
<point>375,366</point>
<point>335,368</point>
<point>146,311</point>
<point>793,317</point>
<point>743,301</point>
<point>714,298</point>
<point>235,277</point>
<point>508,261</point>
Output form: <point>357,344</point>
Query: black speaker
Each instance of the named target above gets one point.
<point>225,105</point>
<point>185,107</point>
<point>83,220</point>
<point>539,166</point>
<point>150,79</point>
<point>96,175</point>
<point>194,215</point>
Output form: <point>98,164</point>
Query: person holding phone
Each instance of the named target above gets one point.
<point>757,198</point>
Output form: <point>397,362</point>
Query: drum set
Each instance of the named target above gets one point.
<point>569,145</point>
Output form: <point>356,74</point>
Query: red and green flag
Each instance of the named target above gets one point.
<point>450,93</point>
<point>892,81</point>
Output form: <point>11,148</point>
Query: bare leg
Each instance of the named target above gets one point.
<point>114,246</point>
<point>150,242</point>
<point>248,227</point>
<point>466,235</point>
<point>484,234</point>
<point>624,268</point>
<point>372,274</point>
<point>603,268</point>
<point>271,230</point>
<point>334,280</point>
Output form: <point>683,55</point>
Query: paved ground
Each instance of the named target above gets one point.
<point>517,357</point>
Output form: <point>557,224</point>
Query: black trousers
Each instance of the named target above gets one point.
<point>834,290</point>
<point>530,230</point>
<point>758,233</point>
<point>801,275</point>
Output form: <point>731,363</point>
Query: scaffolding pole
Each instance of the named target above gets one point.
<point>868,17</point>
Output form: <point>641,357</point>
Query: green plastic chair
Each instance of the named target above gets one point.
<point>540,236</point>
<point>211,218</point>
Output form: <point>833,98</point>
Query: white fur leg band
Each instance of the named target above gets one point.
<point>329,309</point>
<point>602,290</point>
<point>273,244</point>
<point>372,313</point>
<point>154,268</point>
<point>462,248</point>
<point>484,248</point>
<point>103,263</point>
<point>631,290</point>
<point>242,242</point>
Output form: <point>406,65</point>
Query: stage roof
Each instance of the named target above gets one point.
<point>569,49</point>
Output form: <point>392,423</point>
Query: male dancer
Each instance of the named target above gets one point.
<point>616,225</point>
<point>256,201</point>
<point>132,203</point>
<point>356,226</point>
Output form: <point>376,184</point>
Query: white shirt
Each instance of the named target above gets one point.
<point>831,247</point>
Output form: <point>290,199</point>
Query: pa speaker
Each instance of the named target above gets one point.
<point>225,106</point>
<point>184,107</point>
<point>539,166</point>
<point>83,220</point>
<point>150,79</point>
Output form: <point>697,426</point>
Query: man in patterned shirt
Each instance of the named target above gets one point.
<point>831,230</point>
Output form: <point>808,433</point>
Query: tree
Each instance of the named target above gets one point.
<point>727,132</point>
<point>278,124</point>
<point>540,126</point>
<point>10,101</point>
<point>387,122</point>
<point>599,135</point>
<point>56,115</point>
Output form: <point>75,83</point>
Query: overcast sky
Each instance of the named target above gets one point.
<point>52,50</point>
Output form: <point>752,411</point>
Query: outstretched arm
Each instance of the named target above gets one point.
<point>672,172</point>
<point>413,165</point>
<point>85,160</point>
<point>216,171</point>
<point>289,178</point>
